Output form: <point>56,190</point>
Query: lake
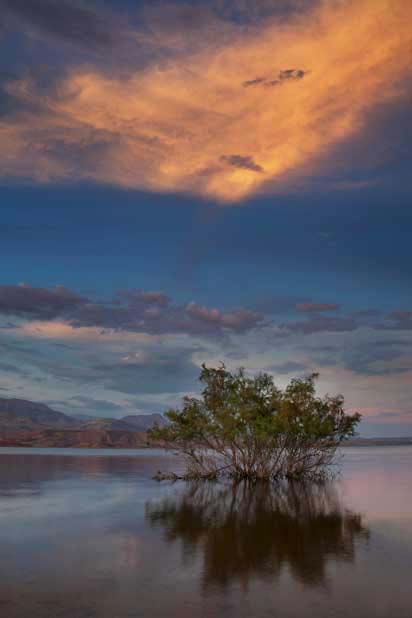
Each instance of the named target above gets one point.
<point>89,534</point>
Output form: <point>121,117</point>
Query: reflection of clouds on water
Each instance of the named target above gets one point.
<point>38,486</point>
<point>246,530</point>
<point>100,540</point>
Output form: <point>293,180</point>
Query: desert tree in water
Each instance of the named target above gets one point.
<point>247,428</point>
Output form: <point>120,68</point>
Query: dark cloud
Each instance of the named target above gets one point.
<point>254,82</point>
<point>67,21</point>
<point>192,319</point>
<point>321,324</point>
<point>239,321</point>
<point>134,311</point>
<point>310,307</point>
<point>283,76</point>
<point>291,74</point>
<point>286,75</point>
<point>246,163</point>
<point>38,303</point>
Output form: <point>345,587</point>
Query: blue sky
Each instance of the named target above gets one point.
<point>133,247</point>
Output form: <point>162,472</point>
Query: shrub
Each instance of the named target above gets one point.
<point>247,428</point>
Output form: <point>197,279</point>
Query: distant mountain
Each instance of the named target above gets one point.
<point>23,415</point>
<point>26,423</point>
<point>143,422</point>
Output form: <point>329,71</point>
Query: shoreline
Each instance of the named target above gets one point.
<point>357,442</point>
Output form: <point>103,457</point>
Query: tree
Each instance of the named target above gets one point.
<point>247,428</point>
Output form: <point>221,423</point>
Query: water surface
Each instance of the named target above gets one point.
<point>88,534</point>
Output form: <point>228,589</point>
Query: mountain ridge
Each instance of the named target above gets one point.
<point>28,423</point>
<point>24,414</point>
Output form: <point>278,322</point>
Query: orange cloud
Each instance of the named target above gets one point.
<point>59,330</point>
<point>225,122</point>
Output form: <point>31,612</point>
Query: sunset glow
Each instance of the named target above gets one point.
<point>261,112</point>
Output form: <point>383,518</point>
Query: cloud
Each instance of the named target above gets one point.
<point>40,303</point>
<point>240,320</point>
<point>245,163</point>
<point>62,20</point>
<point>153,298</point>
<point>191,319</point>
<point>291,74</point>
<point>321,325</point>
<point>160,127</point>
<point>82,404</point>
<point>288,367</point>
<point>82,401</point>
<point>163,370</point>
<point>13,369</point>
<point>398,320</point>
<point>254,82</point>
<point>99,368</point>
<point>378,358</point>
<point>310,307</point>
<point>282,77</point>
<point>62,314</point>
<point>256,11</point>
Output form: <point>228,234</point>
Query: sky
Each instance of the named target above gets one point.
<point>206,181</point>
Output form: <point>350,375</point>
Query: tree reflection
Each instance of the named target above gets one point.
<point>247,530</point>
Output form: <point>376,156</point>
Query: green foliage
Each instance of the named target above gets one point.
<point>249,428</point>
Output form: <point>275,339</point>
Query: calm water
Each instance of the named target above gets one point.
<point>87,534</point>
